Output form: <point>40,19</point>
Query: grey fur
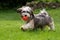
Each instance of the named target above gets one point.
<point>37,21</point>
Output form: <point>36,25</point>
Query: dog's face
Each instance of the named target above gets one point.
<point>25,11</point>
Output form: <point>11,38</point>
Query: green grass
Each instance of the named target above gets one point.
<point>10,22</point>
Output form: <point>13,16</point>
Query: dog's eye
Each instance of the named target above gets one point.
<point>28,12</point>
<point>23,11</point>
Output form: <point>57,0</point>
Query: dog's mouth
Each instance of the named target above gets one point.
<point>25,18</point>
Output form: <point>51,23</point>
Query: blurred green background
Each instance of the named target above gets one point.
<point>18,3</point>
<point>10,21</point>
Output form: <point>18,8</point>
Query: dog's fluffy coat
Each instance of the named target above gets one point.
<point>36,21</point>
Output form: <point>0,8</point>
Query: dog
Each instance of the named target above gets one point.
<point>35,21</point>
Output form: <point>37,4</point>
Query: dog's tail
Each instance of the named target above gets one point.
<point>44,12</point>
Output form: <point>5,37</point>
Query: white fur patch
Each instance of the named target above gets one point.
<point>29,25</point>
<point>26,8</point>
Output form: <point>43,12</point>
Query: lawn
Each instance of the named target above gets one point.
<point>10,24</point>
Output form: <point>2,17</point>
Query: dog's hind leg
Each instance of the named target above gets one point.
<point>51,26</point>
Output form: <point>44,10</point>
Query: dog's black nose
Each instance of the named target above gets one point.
<point>25,15</point>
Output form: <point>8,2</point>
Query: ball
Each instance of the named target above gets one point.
<point>25,18</point>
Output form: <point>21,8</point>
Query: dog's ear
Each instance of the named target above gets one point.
<point>19,10</point>
<point>31,11</point>
<point>32,15</point>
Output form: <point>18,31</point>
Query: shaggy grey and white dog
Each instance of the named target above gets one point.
<point>36,21</point>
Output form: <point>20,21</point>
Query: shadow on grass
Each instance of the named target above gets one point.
<point>9,15</point>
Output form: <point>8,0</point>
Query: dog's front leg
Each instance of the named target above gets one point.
<point>29,25</point>
<point>51,26</point>
<point>25,27</point>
